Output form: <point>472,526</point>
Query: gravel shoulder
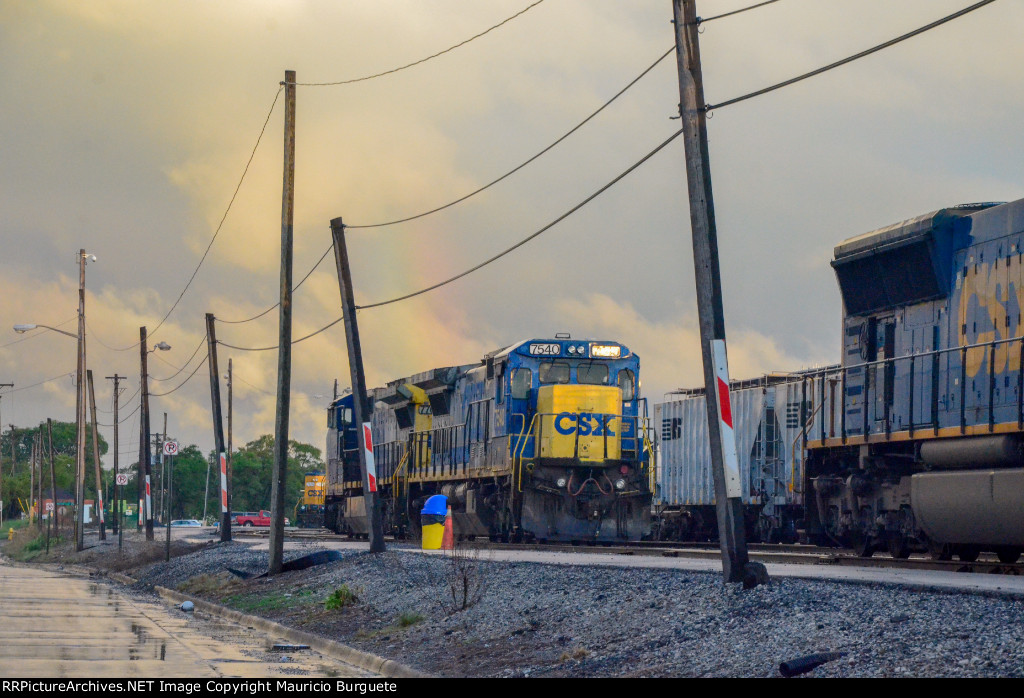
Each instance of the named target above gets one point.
<point>531,619</point>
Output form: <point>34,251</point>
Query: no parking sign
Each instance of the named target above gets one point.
<point>170,448</point>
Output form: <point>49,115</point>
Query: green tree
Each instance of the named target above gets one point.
<point>16,448</point>
<point>252,467</point>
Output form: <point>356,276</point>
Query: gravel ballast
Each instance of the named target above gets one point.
<point>530,619</point>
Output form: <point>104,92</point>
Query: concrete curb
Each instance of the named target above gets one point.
<point>387,668</point>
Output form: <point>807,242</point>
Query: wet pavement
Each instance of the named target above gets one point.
<point>55,625</point>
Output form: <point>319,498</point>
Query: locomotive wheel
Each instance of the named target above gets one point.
<point>940,551</point>
<point>1008,556</point>
<point>863,545</point>
<point>968,554</point>
<point>898,546</point>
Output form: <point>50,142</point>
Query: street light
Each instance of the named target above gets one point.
<point>80,399</point>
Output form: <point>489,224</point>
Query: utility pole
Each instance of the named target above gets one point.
<point>218,428</point>
<point>278,483</point>
<point>359,402</point>
<point>118,508</point>
<point>52,522</point>
<point>724,463</point>
<point>80,417</point>
<point>32,478</point>
<point>163,463</point>
<point>168,463</point>
<point>3,385</point>
<point>145,459</point>
<point>96,457</point>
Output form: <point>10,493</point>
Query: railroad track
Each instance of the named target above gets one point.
<point>780,553</point>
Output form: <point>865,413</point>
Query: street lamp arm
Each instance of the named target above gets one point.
<point>25,328</point>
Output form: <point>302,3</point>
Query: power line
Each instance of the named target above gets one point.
<point>295,288</point>
<point>48,380</point>
<point>467,196</point>
<point>422,60</point>
<point>161,380</point>
<point>527,162</point>
<point>123,420</point>
<point>527,239</point>
<point>219,226</point>
<point>488,261</point>
<point>862,54</point>
<point>198,366</point>
<point>276,346</point>
<point>266,392</point>
<point>703,20</point>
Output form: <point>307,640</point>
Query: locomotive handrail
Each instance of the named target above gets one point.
<point>925,359</point>
<point>649,448</point>
<point>517,462</point>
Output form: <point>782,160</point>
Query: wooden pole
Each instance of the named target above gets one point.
<point>96,458</point>
<point>359,402</point>
<point>711,317</point>
<point>118,506</point>
<point>278,480</point>
<point>218,428</point>
<point>145,457</point>
<point>52,522</point>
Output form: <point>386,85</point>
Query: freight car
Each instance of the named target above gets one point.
<point>547,439</point>
<point>771,417</point>
<point>915,441</point>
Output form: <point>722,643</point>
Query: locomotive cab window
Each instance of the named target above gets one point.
<point>592,374</point>
<point>627,383</point>
<point>522,381</point>
<point>554,372</point>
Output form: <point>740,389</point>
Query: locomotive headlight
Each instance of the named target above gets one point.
<point>606,351</point>
<point>620,484</point>
<point>560,482</point>
<point>572,350</point>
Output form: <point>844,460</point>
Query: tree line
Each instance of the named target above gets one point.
<point>194,483</point>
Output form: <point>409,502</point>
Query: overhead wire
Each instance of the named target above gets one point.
<point>472,193</point>
<point>704,20</point>
<point>526,162</point>
<point>161,380</point>
<point>216,232</point>
<point>277,346</point>
<point>850,59</point>
<point>532,236</point>
<point>294,288</point>
<point>198,366</point>
<point>48,380</point>
<point>422,60</point>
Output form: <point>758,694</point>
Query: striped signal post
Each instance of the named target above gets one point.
<point>711,316</point>
<point>360,407</point>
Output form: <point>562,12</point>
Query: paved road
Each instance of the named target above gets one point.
<point>54,625</point>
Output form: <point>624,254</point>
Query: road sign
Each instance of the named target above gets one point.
<point>170,448</point>
<point>49,506</point>
<point>122,479</point>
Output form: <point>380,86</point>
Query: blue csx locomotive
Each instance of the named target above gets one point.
<point>925,449</point>
<point>544,440</point>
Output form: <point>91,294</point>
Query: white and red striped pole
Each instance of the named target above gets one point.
<point>371,468</point>
<point>733,487</point>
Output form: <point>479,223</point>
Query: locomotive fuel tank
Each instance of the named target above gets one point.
<point>979,507</point>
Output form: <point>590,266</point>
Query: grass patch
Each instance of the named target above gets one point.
<point>209,584</point>
<point>341,597</point>
<point>29,542</point>
<point>259,602</point>
<point>410,618</point>
<point>16,524</point>
<point>577,654</point>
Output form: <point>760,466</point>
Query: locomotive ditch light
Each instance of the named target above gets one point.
<point>560,482</point>
<point>605,351</point>
<point>620,484</point>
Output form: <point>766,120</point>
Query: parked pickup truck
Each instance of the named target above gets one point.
<point>255,518</point>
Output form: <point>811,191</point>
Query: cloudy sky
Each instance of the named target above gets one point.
<point>127,125</point>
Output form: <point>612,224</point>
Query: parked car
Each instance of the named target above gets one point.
<point>250,518</point>
<point>185,522</point>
